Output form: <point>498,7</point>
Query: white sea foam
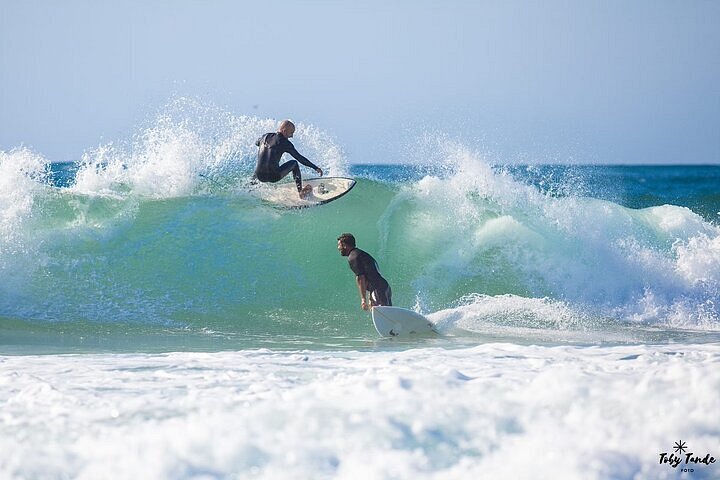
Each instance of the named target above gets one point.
<point>22,175</point>
<point>502,410</point>
<point>480,231</point>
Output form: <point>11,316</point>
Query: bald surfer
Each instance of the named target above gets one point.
<point>271,149</point>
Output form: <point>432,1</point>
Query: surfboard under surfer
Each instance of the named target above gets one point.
<point>271,149</point>
<point>367,274</point>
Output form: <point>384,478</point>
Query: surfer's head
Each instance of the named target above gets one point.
<point>287,128</point>
<point>346,242</point>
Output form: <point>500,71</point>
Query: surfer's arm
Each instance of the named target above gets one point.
<point>296,155</point>
<point>362,289</point>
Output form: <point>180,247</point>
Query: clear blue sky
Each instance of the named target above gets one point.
<point>583,81</point>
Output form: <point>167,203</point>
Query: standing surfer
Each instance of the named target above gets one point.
<point>367,275</point>
<point>272,146</point>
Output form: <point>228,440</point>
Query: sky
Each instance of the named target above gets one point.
<point>592,81</point>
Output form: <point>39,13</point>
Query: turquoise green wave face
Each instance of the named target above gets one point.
<point>220,259</point>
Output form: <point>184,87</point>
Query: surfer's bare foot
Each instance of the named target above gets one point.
<point>306,191</point>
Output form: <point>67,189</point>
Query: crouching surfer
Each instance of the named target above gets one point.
<point>367,274</point>
<point>271,149</point>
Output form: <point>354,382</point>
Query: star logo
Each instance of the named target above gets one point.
<point>680,447</point>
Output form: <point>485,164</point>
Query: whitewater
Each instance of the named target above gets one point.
<point>159,321</point>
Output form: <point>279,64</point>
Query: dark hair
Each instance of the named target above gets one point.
<point>347,239</point>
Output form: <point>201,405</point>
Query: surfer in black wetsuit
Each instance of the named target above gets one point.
<point>272,146</point>
<point>367,275</point>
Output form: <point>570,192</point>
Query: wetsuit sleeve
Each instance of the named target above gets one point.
<point>291,150</point>
<point>257,142</point>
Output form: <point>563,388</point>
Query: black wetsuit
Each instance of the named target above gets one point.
<point>362,263</point>
<point>268,168</point>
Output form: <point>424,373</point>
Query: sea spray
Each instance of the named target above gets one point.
<point>23,176</point>
<point>187,143</point>
<point>480,231</point>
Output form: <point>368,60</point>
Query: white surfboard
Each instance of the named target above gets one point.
<point>324,190</point>
<point>397,322</point>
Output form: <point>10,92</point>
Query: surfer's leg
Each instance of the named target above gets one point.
<point>381,297</point>
<point>292,166</point>
<point>266,177</point>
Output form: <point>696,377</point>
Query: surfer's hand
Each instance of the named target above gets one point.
<point>319,171</point>
<point>363,304</point>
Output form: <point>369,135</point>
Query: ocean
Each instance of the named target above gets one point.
<point>158,321</point>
